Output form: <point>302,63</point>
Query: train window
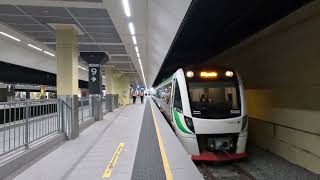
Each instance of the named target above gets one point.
<point>214,99</point>
<point>165,93</point>
<point>177,97</point>
<point>158,93</point>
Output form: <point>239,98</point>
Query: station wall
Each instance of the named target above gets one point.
<point>20,54</point>
<point>280,70</point>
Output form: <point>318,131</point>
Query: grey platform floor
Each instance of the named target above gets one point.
<point>148,162</point>
<point>88,156</point>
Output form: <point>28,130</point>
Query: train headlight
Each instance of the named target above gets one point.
<point>229,73</point>
<point>190,74</point>
<point>189,123</point>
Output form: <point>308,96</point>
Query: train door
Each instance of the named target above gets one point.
<point>172,100</point>
<point>177,109</point>
<point>177,104</point>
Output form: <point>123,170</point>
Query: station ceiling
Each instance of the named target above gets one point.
<point>170,34</point>
<point>211,27</point>
<point>98,31</point>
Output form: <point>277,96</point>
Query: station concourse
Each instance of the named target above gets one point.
<point>153,90</point>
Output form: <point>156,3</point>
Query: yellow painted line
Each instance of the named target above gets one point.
<point>165,162</point>
<point>107,172</point>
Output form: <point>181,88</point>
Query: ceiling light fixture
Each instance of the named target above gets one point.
<point>34,47</point>
<point>134,40</point>
<point>138,55</point>
<point>131,28</point>
<point>9,36</point>
<point>144,79</point>
<point>50,54</point>
<point>126,7</point>
<point>137,49</point>
<point>83,68</point>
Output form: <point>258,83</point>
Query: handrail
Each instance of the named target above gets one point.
<point>276,124</point>
<point>24,122</point>
<point>66,104</point>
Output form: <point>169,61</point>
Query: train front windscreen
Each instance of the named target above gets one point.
<point>214,99</point>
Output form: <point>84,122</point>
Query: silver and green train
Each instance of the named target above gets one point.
<point>205,107</point>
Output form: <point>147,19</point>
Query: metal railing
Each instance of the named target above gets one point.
<point>67,116</point>
<point>22,123</point>
<point>103,104</point>
<point>84,109</point>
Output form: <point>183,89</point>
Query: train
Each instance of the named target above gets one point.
<point>205,106</point>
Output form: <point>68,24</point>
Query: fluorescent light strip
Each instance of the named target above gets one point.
<point>144,79</point>
<point>50,54</point>
<point>134,40</point>
<point>131,28</point>
<point>136,48</point>
<point>34,47</point>
<point>138,55</point>
<point>126,7</point>
<point>9,36</point>
<point>83,68</point>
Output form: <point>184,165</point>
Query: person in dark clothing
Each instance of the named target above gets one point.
<point>134,96</point>
<point>141,97</point>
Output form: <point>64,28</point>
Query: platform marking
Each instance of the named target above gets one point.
<point>107,172</point>
<point>165,162</point>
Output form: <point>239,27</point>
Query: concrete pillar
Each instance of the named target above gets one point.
<point>116,87</point>
<point>109,78</point>
<point>27,94</point>
<point>67,77</point>
<point>11,93</point>
<point>109,87</point>
<point>124,90</point>
<point>42,92</point>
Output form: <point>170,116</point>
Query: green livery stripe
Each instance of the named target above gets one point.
<point>178,122</point>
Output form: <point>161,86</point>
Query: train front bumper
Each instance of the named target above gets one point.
<point>218,156</point>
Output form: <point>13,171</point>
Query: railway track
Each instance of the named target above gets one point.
<point>223,172</point>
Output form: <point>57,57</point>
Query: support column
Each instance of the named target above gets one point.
<point>95,61</point>
<point>11,93</point>
<point>42,92</point>
<point>67,77</point>
<point>28,94</point>
<point>116,87</point>
<point>109,85</point>
<point>108,79</point>
<point>124,90</point>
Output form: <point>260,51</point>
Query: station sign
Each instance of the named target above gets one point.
<point>95,84</point>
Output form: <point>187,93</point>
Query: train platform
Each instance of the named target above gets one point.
<point>133,142</point>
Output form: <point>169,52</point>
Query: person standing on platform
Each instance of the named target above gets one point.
<point>134,96</point>
<point>141,96</point>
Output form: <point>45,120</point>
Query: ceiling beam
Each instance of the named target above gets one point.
<point>118,62</point>
<point>53,3</point>
<point>127,70</point>
<point>118,55</point>
<point>88,43</point>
